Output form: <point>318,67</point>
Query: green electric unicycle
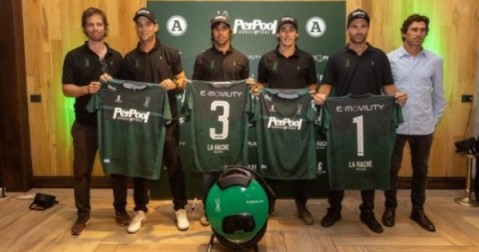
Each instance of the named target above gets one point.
<point>237,207</point>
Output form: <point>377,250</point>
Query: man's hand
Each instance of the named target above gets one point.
<point>168,84</point>
<point>401,98</point>
<point>105,77</point>
<point>93,87</point>
<point>319,98</point>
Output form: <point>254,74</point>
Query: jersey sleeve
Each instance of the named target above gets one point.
<point>94,103</point>
<point>187,105</point>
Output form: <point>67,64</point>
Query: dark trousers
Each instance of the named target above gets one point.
<point>420,146</point>
<point>300,195</point>
<point>335,197</point>
<point>85,145</point>
<point>176,176</point>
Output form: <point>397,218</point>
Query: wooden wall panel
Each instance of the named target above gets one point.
<point>52,28</point>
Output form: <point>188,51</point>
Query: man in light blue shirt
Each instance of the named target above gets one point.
<point>419,73</point>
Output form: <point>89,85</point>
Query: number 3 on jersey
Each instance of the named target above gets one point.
<point>223,119</point>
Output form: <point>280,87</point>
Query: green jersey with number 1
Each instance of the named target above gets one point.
<point>361,132</point>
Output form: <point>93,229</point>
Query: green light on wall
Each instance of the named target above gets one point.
<point>68,117</point>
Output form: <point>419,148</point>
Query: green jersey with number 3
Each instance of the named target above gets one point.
<point>219,123</point>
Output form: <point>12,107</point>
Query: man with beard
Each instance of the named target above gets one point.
<point>221,62</point>
<point>357,69</point>
<point>288,67</point>
<point>81,72</point>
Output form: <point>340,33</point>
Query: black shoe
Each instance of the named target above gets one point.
<point>389,217</point>
<point>122,218</point>
<point>80,224</point>
<point>304,214</point>
<point>330,218</point>
<point>372,223</point>
<point>420,218</point>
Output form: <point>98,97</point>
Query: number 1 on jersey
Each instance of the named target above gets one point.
<point>359,135</point>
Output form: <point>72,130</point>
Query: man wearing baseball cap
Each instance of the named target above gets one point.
<point>350,71</point>
<point>287,20</point>
<point>154,62</point>
<point>221,62</point>
<point>288,67</point>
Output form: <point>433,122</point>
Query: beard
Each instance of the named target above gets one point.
<point>358,39</point>
<point>96,36</point>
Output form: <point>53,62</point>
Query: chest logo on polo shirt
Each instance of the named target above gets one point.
<point>347,63</point>
<point>212,64</point>
<point>87,62</point>
<point>275,66</point>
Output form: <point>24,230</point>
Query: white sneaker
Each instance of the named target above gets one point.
<point>182,222</point>
<point>138,220</point>
<point>204,221</point>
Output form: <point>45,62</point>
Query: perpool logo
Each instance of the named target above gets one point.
<point>255,27</point>
<point>315,27</point>
<point>176,25</point>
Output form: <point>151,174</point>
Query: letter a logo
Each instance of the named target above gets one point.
<point>315,27</point>
<point>176,25</point>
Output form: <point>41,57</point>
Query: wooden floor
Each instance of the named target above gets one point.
<point>22,229</point>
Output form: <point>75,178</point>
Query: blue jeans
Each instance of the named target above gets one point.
<point>420,146</point>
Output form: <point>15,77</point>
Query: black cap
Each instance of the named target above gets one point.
<point>358,13</point>
<point>287,20</point>
<point>220,18</point>
<point>145,13</point>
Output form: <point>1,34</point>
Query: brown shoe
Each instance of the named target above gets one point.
<point>122,218</point>
<point>80,224</point>
<point>304,214</point>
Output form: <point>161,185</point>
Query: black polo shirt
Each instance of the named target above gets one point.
<point>82,66</point>
<point>213,65</point>
<point>348,72</point>
<point>162,62</point>
<point>296,71</point>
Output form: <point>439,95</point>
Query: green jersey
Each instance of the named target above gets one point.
<point>131,127</point>
<point>285,134</point>
<point>219,123</point>
<point>361,132</point>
